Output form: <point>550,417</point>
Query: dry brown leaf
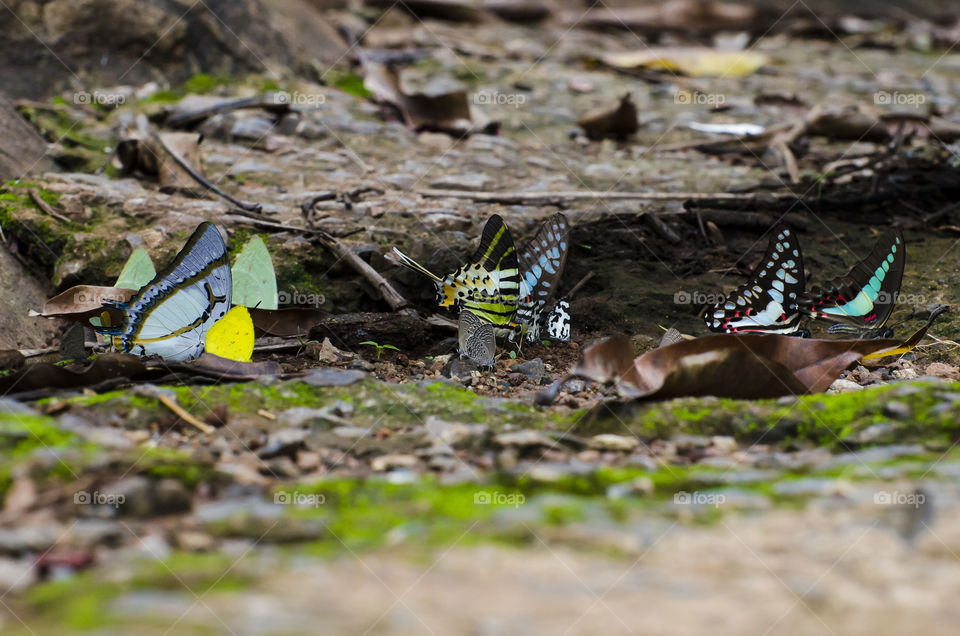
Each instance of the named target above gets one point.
<point>618,121</point>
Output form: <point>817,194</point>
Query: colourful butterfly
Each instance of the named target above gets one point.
<point>768,301</point>
<point>863,299</point>
<point>541,264</point>
<point>170,315</point>
<point>488,285</point>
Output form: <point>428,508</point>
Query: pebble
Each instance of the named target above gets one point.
<point>874,434</point>
<point>391,461</point>
<point>844,386</point>
<point>473,181</point>
<point>523,438</point>
<point>285,441</point>
<point>611,442</point>
<point>897,410</point>
<point>533,369</point>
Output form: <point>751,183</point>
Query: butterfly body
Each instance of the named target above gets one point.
<point>171,314</point>
<point>769,301</point>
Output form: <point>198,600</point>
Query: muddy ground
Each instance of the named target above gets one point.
<point>395,495</point>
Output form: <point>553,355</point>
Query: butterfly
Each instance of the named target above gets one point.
<point>477,339</point>
<point>863,299</point>
<point>768,301</point>
<point>488,285</point>
<point>556,324</point>
<point>170,315</point>
<point>541,264</point>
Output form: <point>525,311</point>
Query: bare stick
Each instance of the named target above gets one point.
<point>243,205</point>
<point>46,207</point>
<point>554,198</point>
<point>583,281</point>
<point>183,414</point>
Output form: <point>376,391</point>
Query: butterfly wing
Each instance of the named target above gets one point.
<point>556,324</point>
<point>170,315</point>
<point>541,264</point>
<point>477,339</point>
<point>768,301</point>
<point>866,295</point>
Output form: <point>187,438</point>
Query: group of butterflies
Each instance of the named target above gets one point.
<point>774,299</point>
<point>504,292</point>
<point>186,308</point>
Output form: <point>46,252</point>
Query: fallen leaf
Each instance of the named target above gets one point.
<point>742,366</point>
<point>690,61</point>
<point>618,121</point>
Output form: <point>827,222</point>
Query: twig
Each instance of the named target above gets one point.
<point>46,207</point>
<point>583,281</point>
<point>554,198</point>
<point>168,402</point>
<point>243,205</point>
<point>342,252</point>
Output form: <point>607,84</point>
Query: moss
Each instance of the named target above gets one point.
<point>28,439</point>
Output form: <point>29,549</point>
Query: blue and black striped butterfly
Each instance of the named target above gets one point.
<point>769,301</point>
<point>170,315</point>
<point>863,299</point>
<point>541,265</point>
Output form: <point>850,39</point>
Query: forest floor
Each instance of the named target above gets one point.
<point>383,496</point>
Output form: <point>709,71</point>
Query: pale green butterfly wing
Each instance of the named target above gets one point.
<point>137,272</point>
<point>254,279</point>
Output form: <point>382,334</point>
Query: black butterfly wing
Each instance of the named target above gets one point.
<point>768,301</point>
<point>541,265</point>
<point>866,295</point>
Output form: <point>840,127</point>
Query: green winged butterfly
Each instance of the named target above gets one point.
<point>254,279</point>
<point>863,299</point>
<point>137,272</point>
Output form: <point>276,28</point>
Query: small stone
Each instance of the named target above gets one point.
<point>281,468</point>
<point>874,434</point>
<point>351,432</point>
<point>170,497</point>
<point>611,442</point>
<point>461,368</point>
<point>16,575</point>
<point>533,369</point>
<point>638,487</point>
<point>844,386</point>
<point>473,181</point>
<point>285,441</point>
<point>193,541</point>
<point>724,443</point>
<point>575,386</point>
<point>942,370</point>
<point>308,460</point>
<point>897,410</point>
<point>904,374</point>
<point>392,461</point>
<point>523,438</point>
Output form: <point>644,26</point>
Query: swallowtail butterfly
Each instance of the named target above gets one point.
<point>768,301</point>
<point>170,315</point>
<point>477,339</point>
<point>488,285</point>
<point>541,264</point>
<point>863,299</point>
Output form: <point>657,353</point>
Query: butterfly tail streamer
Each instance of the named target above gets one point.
<point>402,259</point>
